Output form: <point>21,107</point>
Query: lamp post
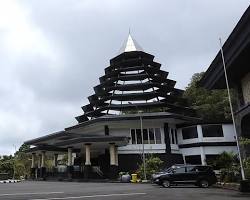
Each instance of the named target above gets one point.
<point>14,159</point>
<point>231,109</point>
<point>143,152</point>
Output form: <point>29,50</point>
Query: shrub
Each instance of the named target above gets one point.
<point>152,165</point>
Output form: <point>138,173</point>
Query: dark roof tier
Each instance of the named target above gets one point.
<point>134,81</point>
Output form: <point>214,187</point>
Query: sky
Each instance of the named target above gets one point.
<point>52,52</point>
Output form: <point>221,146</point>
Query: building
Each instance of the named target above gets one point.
<point>236,52</point>
<point>134,109</point>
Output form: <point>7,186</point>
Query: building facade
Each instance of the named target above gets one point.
<point>236,52</point>
<point>135,109</point>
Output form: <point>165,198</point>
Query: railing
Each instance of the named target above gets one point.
<point>96,169</point>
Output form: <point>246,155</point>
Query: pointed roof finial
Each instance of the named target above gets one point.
<point>130,45</point>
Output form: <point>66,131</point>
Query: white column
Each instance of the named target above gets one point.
<point>200,135</point>
<point>200,139</point>
<point>33,160</point>
<point>203,156</point>
<point>55,160</point>
<point>69,156</point>
<point>43,159</point>
<point>116,156</point>
<point>87,154</point>
<point>112,154</point>
<point>184,159</point>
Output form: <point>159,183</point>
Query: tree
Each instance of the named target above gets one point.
<point>6,165</point>
<point>211,105</point>
<point>22,162</point>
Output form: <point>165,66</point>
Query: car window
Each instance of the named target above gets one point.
<point>191,169</point>
<point>179,170</point>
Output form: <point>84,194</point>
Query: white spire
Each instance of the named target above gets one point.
<point>130,45</point>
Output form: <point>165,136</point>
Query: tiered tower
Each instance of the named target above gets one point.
<point>134,82</point>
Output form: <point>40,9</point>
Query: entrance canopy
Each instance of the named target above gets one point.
<point>61,141</point>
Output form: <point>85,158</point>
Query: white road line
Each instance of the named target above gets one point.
<point>33,193</point>
<point>92,196</point>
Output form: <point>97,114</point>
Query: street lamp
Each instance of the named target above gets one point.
<point>232,113</point>
<point>14,159</point>
<point>143,152</point>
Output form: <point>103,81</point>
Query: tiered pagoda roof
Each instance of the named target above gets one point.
<point>133,82</point>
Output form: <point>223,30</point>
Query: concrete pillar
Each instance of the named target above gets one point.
<point>69,156</point>
<point>33,160</point>
<point>116,156</point>
<point>200,134</point>
<point>87,154</point>
<point>43,159</point>
<point>55,160</point>
<point>112,154</point>
<point>184,159</point>
<point>113,170</point>
<point>70,166</point>
<point>203,156</point>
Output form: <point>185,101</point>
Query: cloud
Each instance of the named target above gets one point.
<point>53,52</point>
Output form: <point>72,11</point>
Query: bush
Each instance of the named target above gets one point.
<point>152,165</point>
<point>246,163</point>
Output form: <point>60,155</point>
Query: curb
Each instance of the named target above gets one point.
<point>10,181</point>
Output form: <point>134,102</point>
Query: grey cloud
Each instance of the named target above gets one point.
<point>43,89</point>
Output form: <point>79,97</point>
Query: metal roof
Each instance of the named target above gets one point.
<point>130,45</point>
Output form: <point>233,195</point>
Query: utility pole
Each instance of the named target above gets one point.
<point>143,150</point>
<point>14,159</point>
<point>232,114</point>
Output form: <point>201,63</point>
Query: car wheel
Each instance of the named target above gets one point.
<point>166,183</point>
<point>204,183</point>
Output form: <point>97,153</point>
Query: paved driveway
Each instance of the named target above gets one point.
<point>106,191</point>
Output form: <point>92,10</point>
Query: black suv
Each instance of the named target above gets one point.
<point>198,175</point>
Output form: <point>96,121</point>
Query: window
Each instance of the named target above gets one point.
<point>172,136</point>
<point>139,138</point>
<point>189,132</point>
<point>145,136</point>
<point>191,169</point>
<point>133,136</point>
<point>213,130</point>
<point>176,139</point>
<point>158,136</point>
<point>179,170</point>
<point>150,136</point>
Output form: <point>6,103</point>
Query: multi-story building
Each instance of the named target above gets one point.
<point>135,110</point>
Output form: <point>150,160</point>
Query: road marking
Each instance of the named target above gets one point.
<point>33,193</point>
<point>92,196</point>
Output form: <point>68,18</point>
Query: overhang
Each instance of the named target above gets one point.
<point>236,52</point>
<point>145,116</point>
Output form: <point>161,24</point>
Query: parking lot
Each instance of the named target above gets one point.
<point>96,191</point>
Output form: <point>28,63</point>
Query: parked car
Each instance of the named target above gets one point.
<point>198,175</point>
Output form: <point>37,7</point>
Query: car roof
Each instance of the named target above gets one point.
<point>190,165</point>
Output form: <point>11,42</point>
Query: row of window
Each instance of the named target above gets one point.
<point>211,130</point>
<point>153,135</point>
<point>149,136</point>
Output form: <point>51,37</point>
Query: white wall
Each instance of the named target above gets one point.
<point>228,136</point>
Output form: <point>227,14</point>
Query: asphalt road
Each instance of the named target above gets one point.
<point>102,191</point>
